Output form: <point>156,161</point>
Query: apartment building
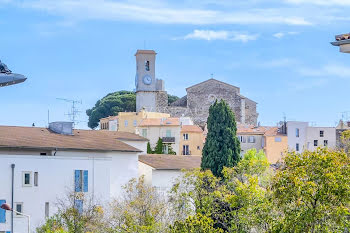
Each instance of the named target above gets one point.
<point>303,137</point>
<point>128,121</point>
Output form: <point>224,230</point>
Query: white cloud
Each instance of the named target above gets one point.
<point>321,2</point>
<point>219,35</point>
<point>279,35</point>
<point>159,13</point>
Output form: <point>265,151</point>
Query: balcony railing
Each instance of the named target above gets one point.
<point>168,139</point>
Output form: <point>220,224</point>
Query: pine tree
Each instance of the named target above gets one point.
<point>222,147</point>
<point>159,147</point>
<point>149,148</point>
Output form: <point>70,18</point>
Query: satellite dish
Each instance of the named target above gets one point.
<point>8,78</point>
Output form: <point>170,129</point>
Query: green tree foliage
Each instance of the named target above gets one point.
<point>194,224</point>
<point>159,147</point>
<point>149,148</point>
<point>139,209</point>
<point>312,190</point>
<point>113,103</point>
<point>222,147</point>
<point>69,219</point>
<point>172,99</point>
<point>236,202</point>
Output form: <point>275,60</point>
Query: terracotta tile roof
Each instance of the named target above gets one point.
<point>109,118</point>
<point>36,137</point>
<point>191,129</point>
<point>126,136</point>
<point>261,130</point>
<point>160,122</point>
<point>171,162</point>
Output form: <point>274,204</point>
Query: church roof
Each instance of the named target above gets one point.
<point>210,80</point>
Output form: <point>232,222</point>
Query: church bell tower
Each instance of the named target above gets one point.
<point>149,90</point>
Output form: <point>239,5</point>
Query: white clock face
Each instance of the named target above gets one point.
<point>147,79</point>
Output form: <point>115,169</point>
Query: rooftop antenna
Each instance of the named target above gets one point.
<point>73,114</point>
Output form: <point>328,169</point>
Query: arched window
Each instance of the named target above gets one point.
<point>147,65</point>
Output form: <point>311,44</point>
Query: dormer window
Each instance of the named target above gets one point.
<point>147,65</point>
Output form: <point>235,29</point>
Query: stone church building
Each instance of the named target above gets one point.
<point>151,96</point>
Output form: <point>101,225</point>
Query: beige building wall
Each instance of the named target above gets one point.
<point>195,142</point>
<point>153,133</point>
<point>250,141</point>
<point>276,146</point>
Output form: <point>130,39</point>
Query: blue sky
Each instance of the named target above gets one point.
<point>277,52</point>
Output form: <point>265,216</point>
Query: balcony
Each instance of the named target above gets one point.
<point>168,139</point>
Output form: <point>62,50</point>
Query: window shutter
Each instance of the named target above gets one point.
<point>77,181</point>
<point>2,213</point>
<point>86,178</point>
<point>79,206</point>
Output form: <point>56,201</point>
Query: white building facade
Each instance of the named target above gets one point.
<point>48,166</point>
<point>303,137</point>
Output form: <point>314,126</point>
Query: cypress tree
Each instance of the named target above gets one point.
<point>159,147</point>
<point>149,148</point>
<point>222,147</point>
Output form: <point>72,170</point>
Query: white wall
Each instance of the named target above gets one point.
<point>164,180</point>
<point>123,168</point>
<point>56,179</point>
<point>145,170</point>
<point>308,134</point>
<point>107,173</point>
<point>141,145</point>
<point>291,132</point>
<point>313,133</point>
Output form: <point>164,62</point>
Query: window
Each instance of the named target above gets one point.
<point>126,123</point>
<point>242,139</point>
<point>36,178</point>
<point>278,139</point>
<point>19,208</point>
<point>251,139</point>
<point>147,65</point>
<point>325,142</point>
<point>135,123</point>
<point>43,153</point>
<point>27,179</point>
<point>47,209</point>
<point>185,136</point>
<point>198,148</point>
<point>165,149</point>
<point>321,133</point>
<point>297,147</point>
<point>315,142</point>
<point>81,180</point>
<point>168,133</point>
<point>144,133</point>
<point>2,212</point>
<point>186,150</point>
<point>297,132</point>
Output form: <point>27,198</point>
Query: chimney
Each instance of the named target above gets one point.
<point>61,127</point>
